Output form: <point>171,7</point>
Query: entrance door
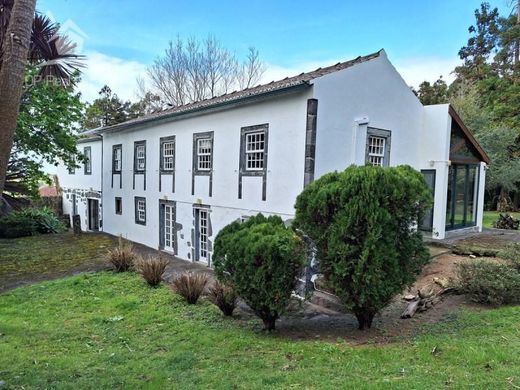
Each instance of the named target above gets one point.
<point>74,205</point>
<point>169,227</point>
<point>429,177</point>
<point>202,234</point>
<point>93,214</point>
<point>461,207</point>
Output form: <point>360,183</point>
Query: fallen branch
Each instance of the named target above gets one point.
<point>425,301</point>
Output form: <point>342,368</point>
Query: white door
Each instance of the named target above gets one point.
<point>203,235</point>
<point>169,227</point>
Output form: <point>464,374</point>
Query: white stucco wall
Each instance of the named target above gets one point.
<point>82,185</point>
<point>286,117</point>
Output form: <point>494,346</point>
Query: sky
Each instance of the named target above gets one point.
<point>120,38</point>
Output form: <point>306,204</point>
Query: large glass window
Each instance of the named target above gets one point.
<point>462,196</point>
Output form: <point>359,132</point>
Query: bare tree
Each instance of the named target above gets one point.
<point>252,70</point>
<point>196,70</point>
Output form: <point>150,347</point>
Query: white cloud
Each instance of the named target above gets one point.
<point>120,75</point>
<point>417,70</point>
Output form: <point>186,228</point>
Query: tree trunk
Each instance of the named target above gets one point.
<point>504,203</point>
<point>364,318</point>
<point>15,48</point>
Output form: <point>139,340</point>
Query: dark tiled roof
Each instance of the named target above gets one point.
<point>288,82</point>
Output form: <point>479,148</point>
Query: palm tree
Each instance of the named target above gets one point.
<point>27,37</point>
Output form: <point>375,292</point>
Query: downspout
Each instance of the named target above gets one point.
<point>102,188</point>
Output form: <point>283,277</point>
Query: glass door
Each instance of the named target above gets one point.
<point>462,196</point>
<point>169,226</point>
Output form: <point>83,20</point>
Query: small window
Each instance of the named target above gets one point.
<point>168,155</point>
<point>71,170</point>
<point>140,156</point>
<point>378,147</point>
<point>204,147</point>
<point>255,151</point>
<point>140,211</point>
<point>376,150</point>
<point>87,153</point>
<point>117,158</point>
<point>119,206</point>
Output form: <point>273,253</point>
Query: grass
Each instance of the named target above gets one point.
<point>108,330</point>
<point>46,256</point>
<point>492,216</point>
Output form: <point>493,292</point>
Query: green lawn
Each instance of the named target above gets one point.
<point>492,216</point>
<point>48,256</point>
<point>105,331</point>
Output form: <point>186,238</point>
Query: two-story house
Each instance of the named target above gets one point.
<point>173,179</point>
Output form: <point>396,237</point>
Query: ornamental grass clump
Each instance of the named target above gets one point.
<point>122,257</point>
<point>224,297</point>
<point>362,222</point>
<point>260,259</point>
<point>190,286</point>
<point>151,269</point>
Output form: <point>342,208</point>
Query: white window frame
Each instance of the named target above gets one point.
<point>140,210</point>
<point>203,233</point>
<point>168,160</point>
<point>255,153</point>
<point>376,150</point>
<point>87,152</point>
<point>204,153</point>
<point>140,157</point>
<point>117,162</point>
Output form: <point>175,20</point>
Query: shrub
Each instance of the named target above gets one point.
<point>261,259</point>
<point>30,221</point>
<point>224,297</point>
<point>489,282</point>
<point>190,286</point>
<point>361,221</point>
<point>123,256</point>
<point>512,254</point>
<point>151,268</point>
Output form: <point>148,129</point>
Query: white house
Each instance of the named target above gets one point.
<point>173,179</point>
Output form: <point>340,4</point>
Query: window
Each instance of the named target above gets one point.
<point>378,147</point>
<point>140,210</point>
<point>376,150</point>
<point>119,206</point>
<point>255,151</point>
<point>168,154</point>
<point>140,156</point>
<point>72,170</point>
<point>87,152</point>
<point>203,233</point>
<point>204,148</point>
<point>117,151</point>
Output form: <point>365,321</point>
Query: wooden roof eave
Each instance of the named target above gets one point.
<point>483,155</point>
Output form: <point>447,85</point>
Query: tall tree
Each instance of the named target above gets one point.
<point>26,37</point>
<point>14,49</point>
<point>433,94</point>
<point>109,110</point>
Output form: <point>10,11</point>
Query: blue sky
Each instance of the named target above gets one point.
<point>121,37</point>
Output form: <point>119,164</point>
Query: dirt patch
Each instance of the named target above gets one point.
<point>307,321</point>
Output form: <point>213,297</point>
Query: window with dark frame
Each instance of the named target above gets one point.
<point>168,154</point>
<point>117,152</point>
<point>87,153</point>
<point>72,170</point>
<point>119,205</point>
<point>204,149</point>
<point>140,210</point>
<point>140,156</point>
<point>254,155</point>
<point>378,147</point>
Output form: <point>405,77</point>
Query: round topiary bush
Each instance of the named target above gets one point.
<point>362,222</point>
<point>260,259</point>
